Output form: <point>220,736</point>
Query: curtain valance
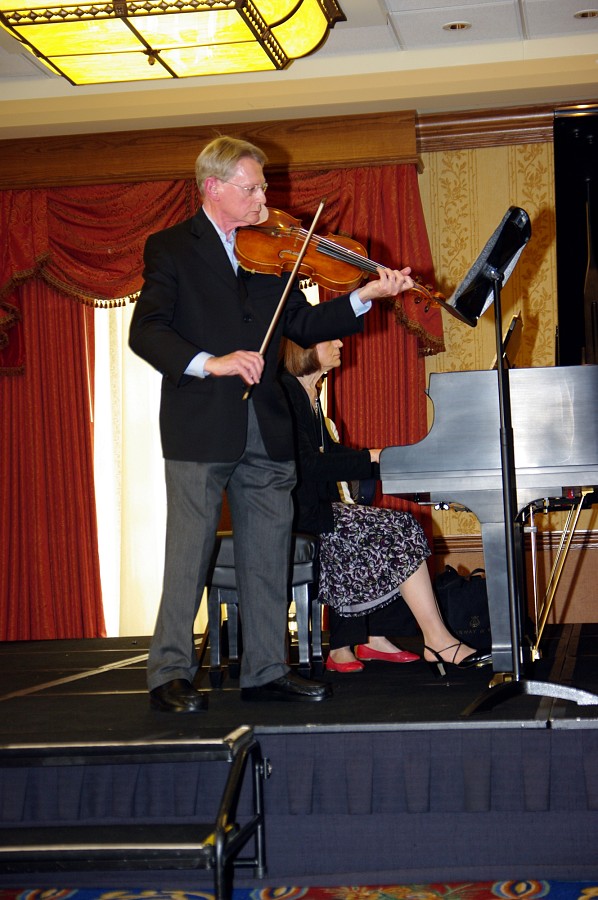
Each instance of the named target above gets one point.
<point>87,242</point>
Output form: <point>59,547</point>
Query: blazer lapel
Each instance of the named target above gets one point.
<point>211,250</point>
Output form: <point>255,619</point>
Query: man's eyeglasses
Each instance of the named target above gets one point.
<point>251,189</point>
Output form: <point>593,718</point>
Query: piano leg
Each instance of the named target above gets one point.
<point>506,636</point>
<point>495,563</point>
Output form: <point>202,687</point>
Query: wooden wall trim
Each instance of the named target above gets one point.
<point>318,143</point>
<point>487,128</point>
<point>156,155</point>
<point>546,540</point>
<point>458,543</point>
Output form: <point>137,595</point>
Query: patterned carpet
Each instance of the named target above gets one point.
<point>498,890</point>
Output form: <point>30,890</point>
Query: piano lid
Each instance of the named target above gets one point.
<point>555,433</point>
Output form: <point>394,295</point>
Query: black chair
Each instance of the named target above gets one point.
<point>222,590</point>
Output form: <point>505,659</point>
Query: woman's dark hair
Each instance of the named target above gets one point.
<point>298,361</point>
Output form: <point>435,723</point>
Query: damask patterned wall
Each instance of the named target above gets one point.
<point>465,194</point>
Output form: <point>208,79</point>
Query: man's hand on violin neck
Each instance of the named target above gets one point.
<point>389,283</point>
<point>249,364</point>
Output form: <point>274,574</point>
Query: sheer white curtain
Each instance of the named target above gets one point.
<point>129,473</point>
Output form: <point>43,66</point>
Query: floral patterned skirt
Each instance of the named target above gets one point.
<point>367,557</point>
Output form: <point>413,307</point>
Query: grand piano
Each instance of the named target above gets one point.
<point>554,414</point>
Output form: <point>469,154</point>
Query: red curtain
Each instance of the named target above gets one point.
<point>49,578</point>
<point>60,245</point>
<point>378,397</point>
<point>85,244</point>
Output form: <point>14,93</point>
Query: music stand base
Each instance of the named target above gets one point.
<point>520,687</point>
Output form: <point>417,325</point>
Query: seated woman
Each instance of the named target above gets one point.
<point>369,557</point>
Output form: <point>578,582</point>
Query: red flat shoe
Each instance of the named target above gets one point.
<point>353,666</point>
<point>363,651</point>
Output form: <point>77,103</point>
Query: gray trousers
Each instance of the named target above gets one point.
<point>259,497</point>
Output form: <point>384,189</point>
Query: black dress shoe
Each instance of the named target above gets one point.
<point>178,696</point>
<point>289,687</point>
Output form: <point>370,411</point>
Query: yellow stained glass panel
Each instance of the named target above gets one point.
<point>74,38</point>
<point>9,5</point>
<point>274,10</point>
<point>303,32</point>
<point>192,29</point>
<point>107,68</point>
<point>218,60</point>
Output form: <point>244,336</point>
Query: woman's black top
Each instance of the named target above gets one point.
<point>318,472</point>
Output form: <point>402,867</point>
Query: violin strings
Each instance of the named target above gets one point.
<point>341,253</point>
<point>344,255</point>
<point>330,248</point>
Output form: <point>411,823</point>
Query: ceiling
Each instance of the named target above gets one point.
<point>389,55</point>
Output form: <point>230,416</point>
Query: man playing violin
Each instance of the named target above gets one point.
<point>200,320</point>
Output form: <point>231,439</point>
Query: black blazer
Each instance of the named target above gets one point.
<point>191,300</point>
<point>318,473</point>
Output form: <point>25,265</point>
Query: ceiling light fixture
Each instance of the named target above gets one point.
<point>456,26</point>
<point>136,40</point>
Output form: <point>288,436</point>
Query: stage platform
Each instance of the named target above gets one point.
<point>388,782</point>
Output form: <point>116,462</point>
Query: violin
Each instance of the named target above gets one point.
<point>334,261</point>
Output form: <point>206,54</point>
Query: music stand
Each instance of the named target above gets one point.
<point>481,288</point>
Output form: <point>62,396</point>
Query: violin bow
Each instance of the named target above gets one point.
<point>288,286</point>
